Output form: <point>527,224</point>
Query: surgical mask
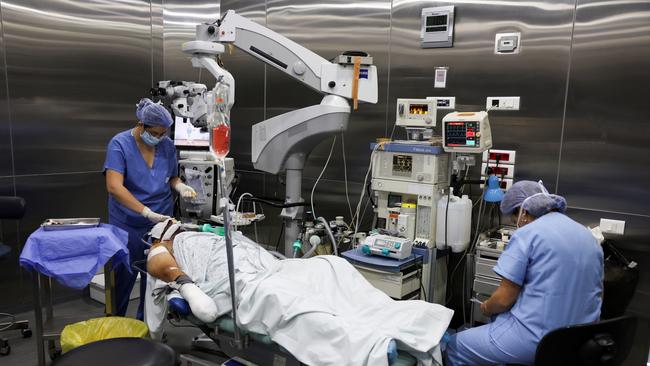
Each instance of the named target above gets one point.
<point>522,208</point>
<point>149,139</point>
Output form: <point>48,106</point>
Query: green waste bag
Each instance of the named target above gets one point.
<point>93,330</point>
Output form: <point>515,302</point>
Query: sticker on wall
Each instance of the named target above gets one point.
<point>440,80</point>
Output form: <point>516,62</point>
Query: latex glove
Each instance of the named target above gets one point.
<point>185,191</point>
<point>152,216</point>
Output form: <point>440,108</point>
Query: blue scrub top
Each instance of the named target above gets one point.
<point>559,265</point>
<point>149,185</point>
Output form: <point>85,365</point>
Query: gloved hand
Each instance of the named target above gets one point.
<point>152,216</point>
<point>185,191</point>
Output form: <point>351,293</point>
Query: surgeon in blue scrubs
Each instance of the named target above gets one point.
<point>141,169</point>
<point>552,277</point>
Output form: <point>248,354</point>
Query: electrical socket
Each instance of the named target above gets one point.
<point>502,103</point>
<point>616,227</point>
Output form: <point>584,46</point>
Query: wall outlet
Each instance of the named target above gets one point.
<point>502,103</point>
<point>507,43</point>
<point>616,227</point>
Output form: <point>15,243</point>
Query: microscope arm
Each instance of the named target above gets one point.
<point>283,54</point>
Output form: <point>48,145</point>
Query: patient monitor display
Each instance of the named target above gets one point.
<point>467,132</point>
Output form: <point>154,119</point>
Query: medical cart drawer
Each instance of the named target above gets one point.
<point>396,285</point>
<point>484,267</point>
<point>485,285</point>
<point>486,252</point>
<point>476,310</point>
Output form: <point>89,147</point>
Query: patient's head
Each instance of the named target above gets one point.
<point>165,231</point>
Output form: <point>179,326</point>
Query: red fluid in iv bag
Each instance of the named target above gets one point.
<point>221,140</point>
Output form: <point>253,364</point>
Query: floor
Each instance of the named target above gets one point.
<point>23,351</point>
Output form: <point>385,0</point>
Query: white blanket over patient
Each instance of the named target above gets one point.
<point>320,309</point>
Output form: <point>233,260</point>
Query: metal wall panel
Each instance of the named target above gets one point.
<point>605,152</point>
<point>537,74</point>
<point>604,155</point>
<point>634,245</point>
<point>329,29</point>
<point>59,195</point>
<point>10,283</point>
<point>249,72</point>
<point>6,167</point>
<point>75,71</point>
<point>180,18</point>
<point>157,41</point>
<point>242,121</point>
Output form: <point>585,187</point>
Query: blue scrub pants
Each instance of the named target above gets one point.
<point>125,279</point>
<point>503,341</point>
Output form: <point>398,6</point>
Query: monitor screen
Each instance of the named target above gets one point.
<point>462,134</point>
<point>418,109</point>
<point>185,134</point>
<point>436,23</point>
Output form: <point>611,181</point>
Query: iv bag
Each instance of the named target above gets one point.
<point>219,120</point>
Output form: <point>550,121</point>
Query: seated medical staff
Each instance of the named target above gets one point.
<point>552,277</point>
<point>141,169</point>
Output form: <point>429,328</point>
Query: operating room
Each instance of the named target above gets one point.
<point>193,182</point>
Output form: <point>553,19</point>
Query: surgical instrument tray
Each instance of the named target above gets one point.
<point>69,224</point>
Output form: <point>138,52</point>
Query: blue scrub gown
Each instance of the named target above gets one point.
<point>151,187</point>
<point>559,265</point>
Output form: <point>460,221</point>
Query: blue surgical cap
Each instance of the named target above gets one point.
<point>532,197</point>
<point>153,114</point>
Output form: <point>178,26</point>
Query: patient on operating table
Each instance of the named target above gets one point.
<point>319,309</point>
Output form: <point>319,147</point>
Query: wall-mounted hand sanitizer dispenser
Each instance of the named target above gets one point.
<point>437,27</point>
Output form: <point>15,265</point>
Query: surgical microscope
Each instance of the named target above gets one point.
<point>282,143</point>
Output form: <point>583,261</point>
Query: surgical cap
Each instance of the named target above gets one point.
<point>153,114</point>
<point>532,197</point>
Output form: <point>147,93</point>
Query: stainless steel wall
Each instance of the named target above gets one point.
<point>179,20</point>
<point>71,71</point>
<point>603,169</point>
<point>70,75</point>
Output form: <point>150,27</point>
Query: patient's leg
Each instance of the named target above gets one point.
<point>161,264</point>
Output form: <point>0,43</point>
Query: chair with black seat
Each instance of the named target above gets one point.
<point>606,343</point>
<point>120,351</point>
<point>11,208</point>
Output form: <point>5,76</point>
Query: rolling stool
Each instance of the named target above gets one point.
<point>11,208</point>
<point>120,351</point>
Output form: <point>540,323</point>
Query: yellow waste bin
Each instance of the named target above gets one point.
<point>92,330</point>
